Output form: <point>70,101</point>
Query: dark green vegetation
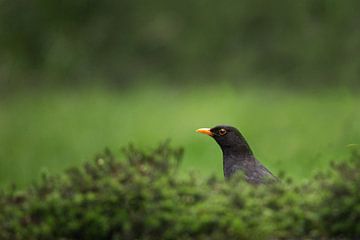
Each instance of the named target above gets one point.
<point>295,132</point>
<point>66,42</point>
<point>143,197</point>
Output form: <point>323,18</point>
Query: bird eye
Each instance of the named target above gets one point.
<point>222,132</point>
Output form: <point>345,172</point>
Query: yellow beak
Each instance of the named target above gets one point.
<point>205,131</point>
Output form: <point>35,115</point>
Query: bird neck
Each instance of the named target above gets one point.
<point>235,159</point>
<point>239,151</point>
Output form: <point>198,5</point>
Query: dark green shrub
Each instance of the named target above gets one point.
<point>143,198</point>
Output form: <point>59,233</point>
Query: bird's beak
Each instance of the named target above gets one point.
<point>205,131</point>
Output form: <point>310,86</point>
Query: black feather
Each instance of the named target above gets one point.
<point>238,156</point>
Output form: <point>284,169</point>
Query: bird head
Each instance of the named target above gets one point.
<point>229,139</point>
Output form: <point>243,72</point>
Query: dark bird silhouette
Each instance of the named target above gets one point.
<point>237,155</point>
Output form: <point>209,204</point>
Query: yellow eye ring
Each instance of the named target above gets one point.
<point>222,132</point>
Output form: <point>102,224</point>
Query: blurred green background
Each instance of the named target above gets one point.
<point>79,76</point>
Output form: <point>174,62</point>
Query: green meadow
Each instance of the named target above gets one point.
<point>296,132</point>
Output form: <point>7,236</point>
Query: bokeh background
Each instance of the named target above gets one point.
<point>79,76</point>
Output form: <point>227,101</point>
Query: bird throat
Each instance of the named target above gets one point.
<point>236,157</point>
<point>238,150</point>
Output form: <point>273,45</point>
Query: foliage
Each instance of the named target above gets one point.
<point>142,197</point>
<point>66,42</point>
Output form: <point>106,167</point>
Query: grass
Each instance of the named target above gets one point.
<point>289,131</point>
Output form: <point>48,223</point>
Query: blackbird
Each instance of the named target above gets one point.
<point>237,155</point>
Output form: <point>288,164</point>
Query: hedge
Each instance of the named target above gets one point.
<point>143,197</point>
